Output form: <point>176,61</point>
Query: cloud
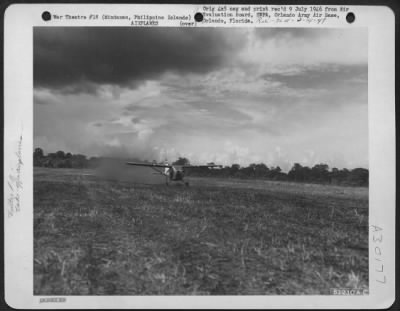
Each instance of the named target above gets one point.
<point>280,97</point>
<point>325,76</point>
<point>76,59</point>
<point>45,97</point>
<point>286,49</point>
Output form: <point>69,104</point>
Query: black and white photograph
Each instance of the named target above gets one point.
<point>200,161</point>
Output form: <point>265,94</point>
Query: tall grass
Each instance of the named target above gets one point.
<point>95,236</point>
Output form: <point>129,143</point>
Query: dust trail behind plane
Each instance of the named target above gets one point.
<point>115,169</point>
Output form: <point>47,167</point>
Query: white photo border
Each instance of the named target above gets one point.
<point>19,20</point>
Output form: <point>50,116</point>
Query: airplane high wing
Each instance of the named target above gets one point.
<point>199,166</point>
<point>170,166</point>
<point>149,164</point>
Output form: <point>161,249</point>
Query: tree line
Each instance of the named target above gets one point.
<point>319,173</point>
<point>61,159</point>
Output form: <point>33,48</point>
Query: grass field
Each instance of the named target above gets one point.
<point>99,234</point>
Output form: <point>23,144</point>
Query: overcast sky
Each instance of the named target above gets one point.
<point>277,96</point>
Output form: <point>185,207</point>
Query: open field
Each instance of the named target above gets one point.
<point>114,235</point>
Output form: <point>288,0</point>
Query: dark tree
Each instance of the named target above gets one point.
<point>60,154</point>
<point>38,157</point>
<point>234,169</point>
<point>296,173</point>
<point>358,177</point>
<point>261,170</point>
<point>182,161</point>
<point>320,173</point>
<point>38,153</point>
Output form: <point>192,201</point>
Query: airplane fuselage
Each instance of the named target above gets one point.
<point>175,173</point>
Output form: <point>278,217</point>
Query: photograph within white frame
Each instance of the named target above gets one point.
<point>233,150</point>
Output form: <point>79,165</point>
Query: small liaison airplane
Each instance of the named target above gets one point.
<point>173,172</point>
